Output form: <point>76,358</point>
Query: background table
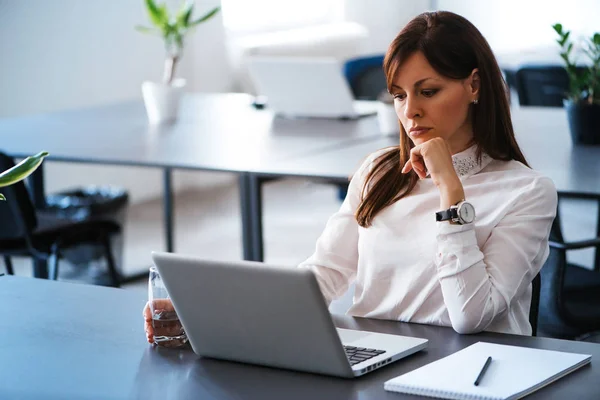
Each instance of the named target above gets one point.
<point>223,132</point>
<point>73,341</point>
<point>215,132</point>
<point>542,134</point>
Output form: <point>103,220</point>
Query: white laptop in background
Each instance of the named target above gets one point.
<point>306,87</point>
<point>267,315</point>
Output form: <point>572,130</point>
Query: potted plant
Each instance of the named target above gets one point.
<point>162,99</point>
<point>583,98</point>
<point>21,171</point>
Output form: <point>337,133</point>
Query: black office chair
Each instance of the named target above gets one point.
<point>367,81</point>
<point>542,85</point>
<point>570,294</point>
<point>570,304</point>
<point>366,77</point>
<point>534,307</point>
<point>23,232</point>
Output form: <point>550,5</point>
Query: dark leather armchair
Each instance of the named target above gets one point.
<point>24,232</point>
<point>570,294</point>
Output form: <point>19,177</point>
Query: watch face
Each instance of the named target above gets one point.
<point>466,213</point>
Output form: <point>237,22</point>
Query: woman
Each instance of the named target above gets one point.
<point>451,227</point>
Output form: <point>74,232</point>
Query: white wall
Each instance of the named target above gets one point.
<point>514,25</point>
<point>63,54</point>
<point>383,18</point>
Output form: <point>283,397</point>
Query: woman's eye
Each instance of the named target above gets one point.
<point>429,92</point>
<point>399,96</point>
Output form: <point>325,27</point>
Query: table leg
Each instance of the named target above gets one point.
<point>36,183</point>
<point>38,196</point>
<point>40,268</point>
<point>597,250</point>
<point>251,209</point>
<point>168,208</point>
<point>246,216</point>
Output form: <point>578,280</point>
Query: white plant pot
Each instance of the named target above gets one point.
<point>162,101</point>
<point>387,119</point>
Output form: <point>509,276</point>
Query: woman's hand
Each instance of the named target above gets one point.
<point>434,157</point>
<point>161,306</point>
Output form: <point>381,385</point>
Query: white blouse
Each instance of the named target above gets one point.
<point>408,267</point>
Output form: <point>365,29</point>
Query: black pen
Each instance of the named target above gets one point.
<point>482,372</point>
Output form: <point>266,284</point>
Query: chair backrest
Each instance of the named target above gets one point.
<point>553,309</point>
<point>366,77</point>
<point>17,213</point>
<point>542,85</point>
<point>534,308</point>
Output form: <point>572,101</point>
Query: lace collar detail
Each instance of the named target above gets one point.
<point>465,163</point>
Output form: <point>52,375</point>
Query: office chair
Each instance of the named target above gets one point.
<point>367,80</point>
<point>23,232</point>
<point>570,297</point>
<point>534,307</point>
<point>542,85</point>
<point>365,77</point>
<point>570,294</point>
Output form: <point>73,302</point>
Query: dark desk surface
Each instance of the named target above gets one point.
<point>542,134</point>
<point>71,341</point>
<point>214,132</point>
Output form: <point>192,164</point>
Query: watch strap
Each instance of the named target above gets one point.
<point>445,215</point>
<point>449,214</point>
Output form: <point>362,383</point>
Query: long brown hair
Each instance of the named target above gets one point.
<point>454,48</point>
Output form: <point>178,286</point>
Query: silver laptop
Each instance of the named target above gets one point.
<point>274,316</point>
<point>306,87</point>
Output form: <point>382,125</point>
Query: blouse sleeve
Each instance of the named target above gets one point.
<point>480,284</point>
<point>335,259</point>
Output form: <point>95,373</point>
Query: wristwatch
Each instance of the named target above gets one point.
<point>461,213</point>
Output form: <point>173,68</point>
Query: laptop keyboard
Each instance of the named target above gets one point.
<point>359,354</point>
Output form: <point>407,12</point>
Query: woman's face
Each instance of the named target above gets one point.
<point>430,105</point>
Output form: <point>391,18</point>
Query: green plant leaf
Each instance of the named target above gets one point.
<point>590,52</point>
<point>564,38</point>
<point>22,170</point>
<point>158,14</point>
<point>584,83</point>
<point>557,28</point>
<point>206,16</point>
<point>145,29</point>
<point>2,198</point>
<point>184,15</point>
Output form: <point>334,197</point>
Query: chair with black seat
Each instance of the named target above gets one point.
<point>367,81</point>
<point>570,304</point>
<point>366,77</point>
<point>23,232</point>
<point>570,294</point>
<point>534,307</point>
<point>542,85</point>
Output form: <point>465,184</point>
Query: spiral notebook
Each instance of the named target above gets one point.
<point>513,373</point>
